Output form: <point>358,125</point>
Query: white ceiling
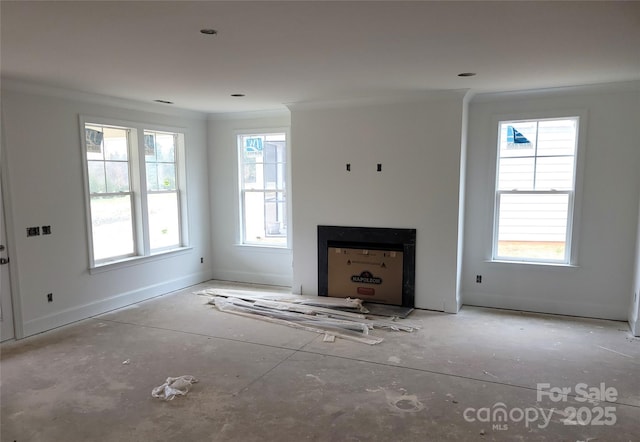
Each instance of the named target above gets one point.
<point>292,52</point>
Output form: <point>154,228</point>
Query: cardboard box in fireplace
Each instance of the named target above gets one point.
<point>370,275</point>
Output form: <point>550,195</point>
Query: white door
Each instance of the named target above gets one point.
<point>6,308</point>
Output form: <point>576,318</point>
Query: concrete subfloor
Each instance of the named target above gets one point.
<point>267,382</point>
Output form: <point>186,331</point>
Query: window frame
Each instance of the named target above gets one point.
<point>574,195</point>
<point>138,189</point>
<point>240,217</point>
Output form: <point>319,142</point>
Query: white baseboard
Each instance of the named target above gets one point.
<point>85,311</point>
<point>253,277</point>
<point>578,308</point>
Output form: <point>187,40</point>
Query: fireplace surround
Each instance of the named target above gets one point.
<point>369,238</point>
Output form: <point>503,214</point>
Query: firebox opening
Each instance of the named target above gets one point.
<point>373,264</point>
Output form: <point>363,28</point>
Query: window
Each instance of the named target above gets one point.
<point>535,190</point>
<point>263,195</point>
<point>162,192</point>
<point>135,195</point>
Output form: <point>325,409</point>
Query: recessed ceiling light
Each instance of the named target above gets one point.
<point>208,31</point>
<point>163,101</point>
<point>237,95</point>
<point>467,74</point>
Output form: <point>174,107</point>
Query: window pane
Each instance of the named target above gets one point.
<point>166,176</point>
<point>275,214</point>
<point>517,138</point>
<point>112,226</point>
<point>557,137</point>
<point>516,173</point>
<point>164,225</point>
<point>270,153</point>
<point>165,145</point>
<point>117,176</point>
<point>275,137</point>
<point>282,176</point>
<point>96,177</point>
<point>160,156</point>
<point>116,148</point>
<point>262,222</point>
<point>152,176</point>
<point>254,176</point>
<point>254,216</point>
<point>270,176</point>
<point>149,146</point>
<point>554,173</point>
<point>93,137</point>
<point>252,145</point>
<point>532,226</point>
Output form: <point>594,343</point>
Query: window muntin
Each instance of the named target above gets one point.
<point>535,189</point>
<point>263,183</point>
<point>135,191</point>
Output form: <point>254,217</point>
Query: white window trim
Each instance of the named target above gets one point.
<point>142,252</point>
<point>239,221</point>
<point>575,209</point>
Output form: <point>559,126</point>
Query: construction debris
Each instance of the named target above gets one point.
<point>345,318</point>
<point>174,387</point>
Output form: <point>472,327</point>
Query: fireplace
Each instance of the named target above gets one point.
<point>375,264</point>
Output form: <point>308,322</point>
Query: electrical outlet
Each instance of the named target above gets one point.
<point>379,168</point>
<point>33,231</point>
<point>49,297</point>
<point>46,230</point>
<point>479,279</point>
<point>201,260</point>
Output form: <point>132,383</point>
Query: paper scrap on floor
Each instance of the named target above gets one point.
<point>173,387</point>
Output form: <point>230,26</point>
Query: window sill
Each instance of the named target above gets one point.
<point>264,248</point>
<point>533,264</point>
<point>137,260</point>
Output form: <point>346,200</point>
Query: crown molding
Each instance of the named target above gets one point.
<point>407,97</point>
<point>18,85</point>
<point>250,115</point>
<point>598,88</point>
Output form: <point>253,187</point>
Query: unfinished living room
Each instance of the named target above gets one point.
<point>319,220</point>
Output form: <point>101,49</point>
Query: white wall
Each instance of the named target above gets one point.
<point>634,311</point>
<point>45,179</point>
<point>601,284</point>
<point>232,261</point>
<point>418,144</point>
<point>462,195</point>
<point>421,145</point>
